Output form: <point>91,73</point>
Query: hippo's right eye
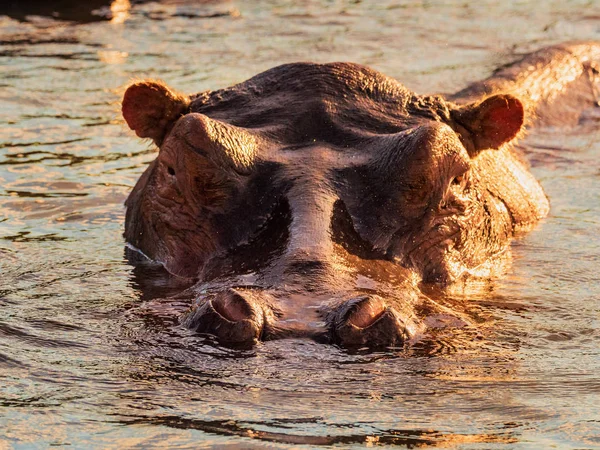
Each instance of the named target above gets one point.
<point>171,171</point>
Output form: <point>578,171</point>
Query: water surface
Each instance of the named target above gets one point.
<point>91,355</point>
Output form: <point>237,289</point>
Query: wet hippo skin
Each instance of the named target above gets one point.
<point>322,200</point>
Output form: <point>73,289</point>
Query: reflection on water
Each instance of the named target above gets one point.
<point>119,11</point>
<point>116,11</point>
<point>91,354</point>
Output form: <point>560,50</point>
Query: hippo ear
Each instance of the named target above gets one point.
<point>150,109</point>
<point>490,123</point>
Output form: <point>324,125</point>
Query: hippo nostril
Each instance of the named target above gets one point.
<point>366,312</point>
<point>234,317</point>
<point>232,306</point>
<point>367,321</point>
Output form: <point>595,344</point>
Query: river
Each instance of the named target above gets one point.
<point>91,355</point>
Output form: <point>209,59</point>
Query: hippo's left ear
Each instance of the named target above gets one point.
<point>150,109</point>
<point>490,123</point>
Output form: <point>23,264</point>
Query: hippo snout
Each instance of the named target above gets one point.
<point>246,316</point>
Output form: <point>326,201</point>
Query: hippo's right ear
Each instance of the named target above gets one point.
<point>150,109</point>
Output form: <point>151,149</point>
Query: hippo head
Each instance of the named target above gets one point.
<point>315,200</point>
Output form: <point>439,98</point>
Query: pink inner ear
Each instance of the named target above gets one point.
<point>501,120</point>
<point>508,112</point>
<point>143,106</point>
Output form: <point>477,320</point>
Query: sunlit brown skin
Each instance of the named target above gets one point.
<point>319,200</point>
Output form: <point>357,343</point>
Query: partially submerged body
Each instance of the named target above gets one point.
<point>317,200</point>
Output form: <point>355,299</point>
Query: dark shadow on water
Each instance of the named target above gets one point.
<point>70,10</point>
<point>7,362</point>
<point>88,11</point>
<point>71,159</point>
<point>29,338</point>
<point>397,437</point>
<point>25,236</point>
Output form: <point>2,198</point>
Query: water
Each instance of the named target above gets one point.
<point>90,352</point>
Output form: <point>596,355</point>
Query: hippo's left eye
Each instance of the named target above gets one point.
<point>458,180</point>
<point>460,184</point>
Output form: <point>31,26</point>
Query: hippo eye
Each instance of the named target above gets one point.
<point>171,171</point>
<point>458,180</point>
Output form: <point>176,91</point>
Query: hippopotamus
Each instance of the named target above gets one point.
<point>325,200</point>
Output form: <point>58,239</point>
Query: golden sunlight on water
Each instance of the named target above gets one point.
<point>120,11</point>
<point>112,56</point>
<point>91,353</point>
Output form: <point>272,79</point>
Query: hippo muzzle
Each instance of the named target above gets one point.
<point>242,317</point>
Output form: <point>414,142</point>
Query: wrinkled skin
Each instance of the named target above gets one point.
<point>321,200</point>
